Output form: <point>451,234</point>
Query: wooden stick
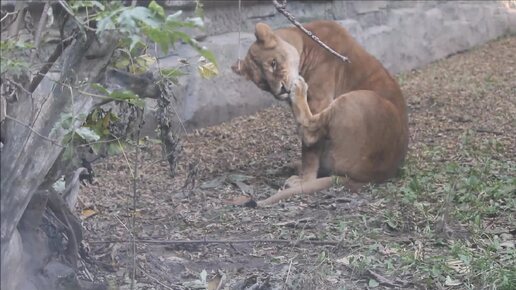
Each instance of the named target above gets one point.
<point>204,242</point>
<point>282,9</point>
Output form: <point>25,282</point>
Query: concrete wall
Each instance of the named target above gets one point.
<point>402,34</point>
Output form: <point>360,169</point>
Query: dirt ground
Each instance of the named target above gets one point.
<point>448,222</point>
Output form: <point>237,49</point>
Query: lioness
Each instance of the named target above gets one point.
<point>362,136</point>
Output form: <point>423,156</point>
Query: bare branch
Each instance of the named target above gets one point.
<point>384,281</point>
<point>205,242</point>
<point>135,190</point>
<point>282,9</point>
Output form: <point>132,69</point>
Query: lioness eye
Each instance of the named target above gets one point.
<point>273,64</point>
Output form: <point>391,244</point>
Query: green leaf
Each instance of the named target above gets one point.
<point>373,283</point>
<point>135,40</point>
<point>195,21</point>
<point>156,8</point>
<point>114,148</point>
<point>100,88</point>
<point>122,63</point>
<point>76,5</point>
<point>137,102</point>
<point>87,134</point>
<point>145,15</point>
<point>172,74</point>
<point>67,138</point>
<point>123,95</point>
<point>23,45</point>
<point>161,37</point>
<point>67,153</point>
<point>104,24</point>
<point>145,61</point>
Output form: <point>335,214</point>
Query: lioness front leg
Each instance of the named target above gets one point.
<point>310,158</point>
<point>310,133</point>
<point>312,126</point>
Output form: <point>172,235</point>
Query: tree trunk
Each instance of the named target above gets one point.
<point>32,136</point>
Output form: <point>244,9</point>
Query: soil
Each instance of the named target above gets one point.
<point>474,92</point>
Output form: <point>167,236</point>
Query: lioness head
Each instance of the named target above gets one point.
<point>271,63</point>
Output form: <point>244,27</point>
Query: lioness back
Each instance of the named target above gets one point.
<point>328,77</point>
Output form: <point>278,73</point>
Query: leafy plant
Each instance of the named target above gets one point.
<point>137,26</point>
<point>10,62</point>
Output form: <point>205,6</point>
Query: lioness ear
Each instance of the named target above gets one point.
<point>239,69</point>
<point>264,35</point>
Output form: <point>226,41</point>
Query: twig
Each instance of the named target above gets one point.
<point>7,14</point>
<point>204,242</point>
<point>484,130</point>
<point>122,223</point>
<point>288,272</point>
<point>155,279</point>
<point>133,218</point>
<point>382,280</point>
<point>282,9</point>
<point>34,131</point>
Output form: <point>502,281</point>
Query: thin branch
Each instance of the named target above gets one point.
<point>7,14</point>
<point>384,281</point>
<point>485,130</point>
<point>205,242</point>
<point>282,9</point>
<point>34,131</point>
<point>155,279</point>
<point>135,188</point>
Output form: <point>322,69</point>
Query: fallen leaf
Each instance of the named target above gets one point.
<point>239,200</point>
<point>451,282</point>
<point>373,283</point>
<point>217,282</point>
<point>87,213</point>
<point>343,261</point>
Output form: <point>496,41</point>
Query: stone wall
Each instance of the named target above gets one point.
<point>402,34</point>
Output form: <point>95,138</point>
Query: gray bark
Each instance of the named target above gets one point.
<point>31,148</point>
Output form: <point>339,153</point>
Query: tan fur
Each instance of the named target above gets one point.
<point>352,116</point>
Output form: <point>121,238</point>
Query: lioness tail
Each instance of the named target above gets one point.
<point>307,188</point>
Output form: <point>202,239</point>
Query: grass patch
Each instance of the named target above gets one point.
<point>458,207</point>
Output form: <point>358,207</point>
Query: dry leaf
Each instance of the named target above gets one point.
<point>208,70</point>
<point>239,200</point>
<point>217,282</point>
<point>87,213</point>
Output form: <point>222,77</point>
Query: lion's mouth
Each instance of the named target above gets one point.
<point>283,93</point>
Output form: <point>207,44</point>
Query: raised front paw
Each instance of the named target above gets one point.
<point>299,89</point>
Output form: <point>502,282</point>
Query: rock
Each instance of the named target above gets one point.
<point>203,102</point>
<point>403,35</point>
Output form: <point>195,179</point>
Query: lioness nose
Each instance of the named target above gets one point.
<point>284,90</point>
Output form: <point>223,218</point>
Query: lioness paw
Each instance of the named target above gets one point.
<point>300,86</point>
<point>293,181</point>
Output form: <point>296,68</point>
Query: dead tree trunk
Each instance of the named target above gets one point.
<point>31,136</point>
